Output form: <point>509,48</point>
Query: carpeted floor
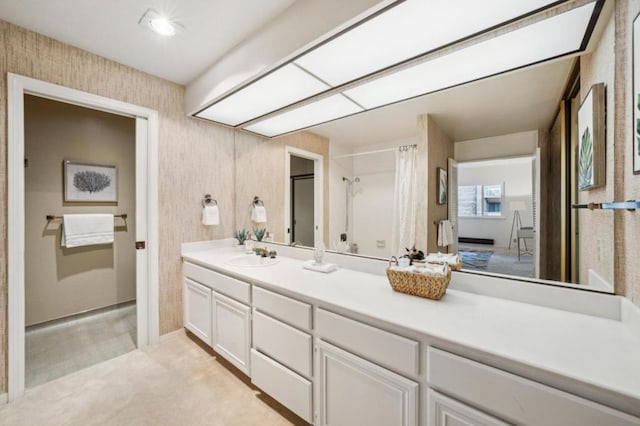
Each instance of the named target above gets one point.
<point>475,259</point>
<point>177,382</point>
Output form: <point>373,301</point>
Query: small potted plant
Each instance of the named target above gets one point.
<point>259,233</point>
<point>242,235</point>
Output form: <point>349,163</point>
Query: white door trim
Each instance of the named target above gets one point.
<point>318,192</point>
<point>18,86</point>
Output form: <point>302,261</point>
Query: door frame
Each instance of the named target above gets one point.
<point>147,303</point>
<point>318,192</point>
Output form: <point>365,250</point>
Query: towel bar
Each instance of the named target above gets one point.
<point>51,217</point>
<point>630,205</point>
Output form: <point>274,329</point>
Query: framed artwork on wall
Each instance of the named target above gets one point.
<point>442,186</point>
<point>90,183</point>
<point>636,95</point>
<point>591,139</point>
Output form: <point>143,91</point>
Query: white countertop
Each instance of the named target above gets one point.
<point>593,350</point>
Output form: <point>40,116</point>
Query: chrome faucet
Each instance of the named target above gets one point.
<point>261,251</point>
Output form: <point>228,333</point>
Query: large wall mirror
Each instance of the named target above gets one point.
<point>509,145</point>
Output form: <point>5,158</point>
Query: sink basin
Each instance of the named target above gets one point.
<point>251,260</point>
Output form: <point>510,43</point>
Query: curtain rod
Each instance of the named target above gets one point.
<point>357,154</point>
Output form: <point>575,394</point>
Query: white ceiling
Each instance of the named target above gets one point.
<point>518,101</point>
<point>110,29</point>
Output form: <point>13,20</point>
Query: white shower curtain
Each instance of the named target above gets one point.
<point>405,201</point>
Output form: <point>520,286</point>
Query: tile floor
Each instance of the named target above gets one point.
<point>177,382</point>
<point>61,347</point>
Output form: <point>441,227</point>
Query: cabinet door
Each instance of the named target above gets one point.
<point>231,330</point>
<point>197,310</point>
<point>354,391</point>
<point>444,411</point>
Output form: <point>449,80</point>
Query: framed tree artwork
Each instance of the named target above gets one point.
<point>90,183</point>
<point>442,186</point>
<point>591,139</point>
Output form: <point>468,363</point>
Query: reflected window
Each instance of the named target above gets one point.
<point>480,200</point>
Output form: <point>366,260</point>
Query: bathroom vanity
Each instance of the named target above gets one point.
<point>344,349</point>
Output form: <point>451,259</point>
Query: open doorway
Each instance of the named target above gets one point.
<point>80,296</point>
<point>146,218</point>
<point>303,197</point>
<point>496,215</point>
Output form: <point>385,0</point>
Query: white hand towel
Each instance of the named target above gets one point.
<point>445,233</point>
<point>210,216</point>
<point>87,229</point>
<point>259,214</point>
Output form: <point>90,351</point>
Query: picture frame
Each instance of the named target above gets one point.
<point>90,183</point>
<point>591,139</point>
<point>635,101</point>
<point>442,186</point>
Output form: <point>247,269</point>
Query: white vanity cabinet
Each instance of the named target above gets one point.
<point>217,311</point>
<point>197,310</point>
<point>478,392</point>
<point>445,411</point>
<point>354,390</point>
<point>282,351</point>
<point>231,331</point>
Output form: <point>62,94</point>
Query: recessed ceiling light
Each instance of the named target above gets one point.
<point>159,24</point>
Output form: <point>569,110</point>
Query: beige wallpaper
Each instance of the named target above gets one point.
<point>627,185</point>
<point>195,157</point>
<point>440,149</point>
<point>260,171</point>
<point>596,239</point>
<point>64,281</point>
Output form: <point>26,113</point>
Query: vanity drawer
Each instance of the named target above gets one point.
<point>228,286</point>
<point>284,308</point>
<point>393,351</point>
<point>288,388</point>
<point>282,342</point>
<point>513,398</point>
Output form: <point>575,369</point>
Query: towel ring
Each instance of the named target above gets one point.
<point>209,201</point>
<point>257,201</point>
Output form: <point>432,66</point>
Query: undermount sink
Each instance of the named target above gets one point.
<point>252,260</point>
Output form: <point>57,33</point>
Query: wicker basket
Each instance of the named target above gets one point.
<point>419,284</point>
<point>456,267</point>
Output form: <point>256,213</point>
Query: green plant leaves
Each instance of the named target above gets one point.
<point>585,165</point>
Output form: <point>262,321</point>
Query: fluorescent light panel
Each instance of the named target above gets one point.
<point>542,40</point>
<point>282,87</point>
<point>326,109</point>
<point>405,31</point>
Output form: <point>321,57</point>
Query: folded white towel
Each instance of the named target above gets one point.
<point>259,214</point>
<point>87,229</point>
<point>448,258</point>
<point>428,269</point>
<point>210,215</point>
<point>445,233</point>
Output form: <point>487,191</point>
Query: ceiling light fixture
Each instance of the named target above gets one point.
<point>393,56</point>
<point>159,24</point>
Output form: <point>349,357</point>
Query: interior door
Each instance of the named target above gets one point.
<point>453,203</point>
<point>536,212</point>
<point>142,254</point>
<point>302,212</point>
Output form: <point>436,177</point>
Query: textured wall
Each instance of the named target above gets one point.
<point>627,185</point>
<point>64,281</point>
<point>596,241</point>
<point>260,171</point>
<point>439,150</point>
<point>195,156</point>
